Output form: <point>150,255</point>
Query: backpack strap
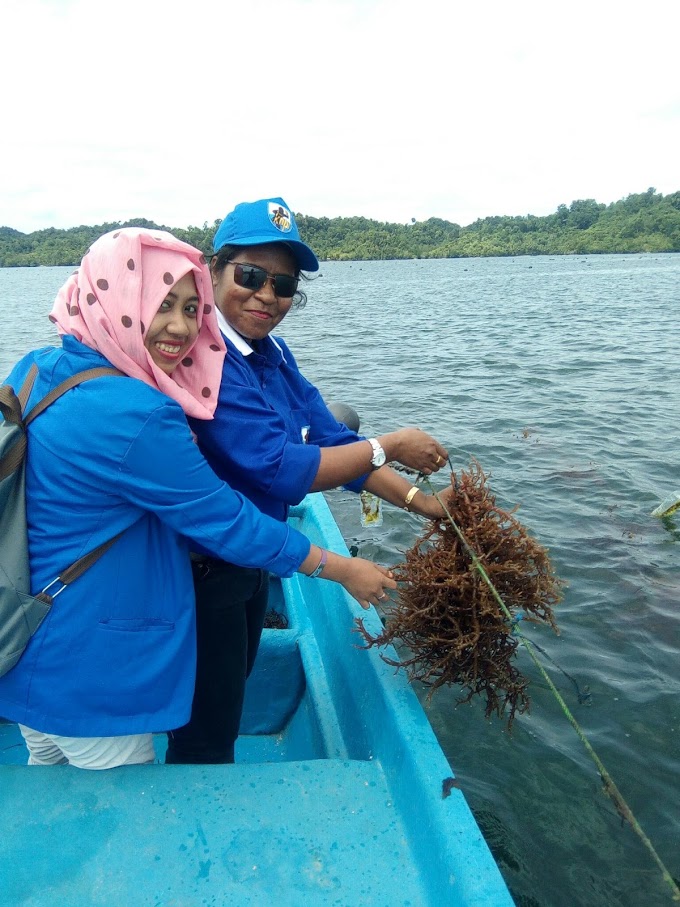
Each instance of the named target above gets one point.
<point>12,407</point>
<point>85,562</point>
<point>60,389</point>
<point>76,569</point>
<point>27,386</point>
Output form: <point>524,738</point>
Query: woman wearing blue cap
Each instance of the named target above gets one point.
<point>274,440</point>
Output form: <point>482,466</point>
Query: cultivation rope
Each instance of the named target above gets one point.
<point>583,696</point>
<point>610,788</point>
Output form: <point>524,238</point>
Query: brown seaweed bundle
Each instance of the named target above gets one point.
<point>447,617</point>
<point>274,620</point>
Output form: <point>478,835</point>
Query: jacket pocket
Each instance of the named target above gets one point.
<point>136,624</point>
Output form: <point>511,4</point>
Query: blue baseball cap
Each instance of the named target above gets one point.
<point>267,220</point>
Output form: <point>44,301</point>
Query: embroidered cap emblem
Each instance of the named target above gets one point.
<point>280,217</point>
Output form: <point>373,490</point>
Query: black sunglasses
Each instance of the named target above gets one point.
<point>250,277</point>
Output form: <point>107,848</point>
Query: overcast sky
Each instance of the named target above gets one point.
<point>390,109</point>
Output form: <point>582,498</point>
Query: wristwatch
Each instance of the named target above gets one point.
<point>378,459</point>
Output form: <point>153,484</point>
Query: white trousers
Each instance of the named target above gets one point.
<point>87,752</point>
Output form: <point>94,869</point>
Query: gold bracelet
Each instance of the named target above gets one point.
<point>410,496</point>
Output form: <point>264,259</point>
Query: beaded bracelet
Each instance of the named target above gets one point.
<point>321,564</point>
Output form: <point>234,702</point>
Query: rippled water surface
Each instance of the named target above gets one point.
<point>560,375</point>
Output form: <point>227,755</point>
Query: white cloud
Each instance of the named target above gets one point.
<point>382,108</point>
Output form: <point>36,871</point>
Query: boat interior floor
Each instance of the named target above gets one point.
<point>313,832</point>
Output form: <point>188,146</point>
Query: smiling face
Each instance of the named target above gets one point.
<point>254,313</point>
<point>174,328</point>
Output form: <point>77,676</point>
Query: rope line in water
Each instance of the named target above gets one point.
<point>610,788</point>
<point>582,697</point>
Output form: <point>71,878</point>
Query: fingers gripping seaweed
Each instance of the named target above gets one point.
<point>446,616</point>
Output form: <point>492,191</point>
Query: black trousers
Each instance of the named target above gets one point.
<point>231,603</point>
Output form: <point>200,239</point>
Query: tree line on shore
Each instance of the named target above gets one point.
<point>642,222</point>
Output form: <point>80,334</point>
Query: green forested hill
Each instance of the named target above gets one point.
<point>645,222</point>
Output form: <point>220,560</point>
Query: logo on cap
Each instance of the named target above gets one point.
<point>280,217</point>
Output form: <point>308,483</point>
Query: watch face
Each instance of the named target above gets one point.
<point>378,458</point>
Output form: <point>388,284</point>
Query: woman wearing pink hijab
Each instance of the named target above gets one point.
<point>114,660</point>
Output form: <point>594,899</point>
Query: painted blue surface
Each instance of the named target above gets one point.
<point>336,797</point>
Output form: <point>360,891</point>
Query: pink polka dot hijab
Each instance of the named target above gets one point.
<point>112,298</point>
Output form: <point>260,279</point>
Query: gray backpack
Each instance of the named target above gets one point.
<point>20,612</point>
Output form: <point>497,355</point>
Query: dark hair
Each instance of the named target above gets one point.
<point>221,258</point>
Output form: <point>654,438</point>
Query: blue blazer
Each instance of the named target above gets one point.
<point>116,653</point>
<point>269,427</point>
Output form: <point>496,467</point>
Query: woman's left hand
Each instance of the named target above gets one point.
<point>428,506</point>
<point>365,581</point>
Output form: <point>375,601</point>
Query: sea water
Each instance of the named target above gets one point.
<point>560,375</point>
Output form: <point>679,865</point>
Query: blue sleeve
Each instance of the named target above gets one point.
<point>164,472</point>
<point>255,438</point>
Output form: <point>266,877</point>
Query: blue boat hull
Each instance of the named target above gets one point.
<point>335,799</point>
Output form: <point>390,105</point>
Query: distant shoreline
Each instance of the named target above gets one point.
<point>647,222</point>
<point>74,264</point>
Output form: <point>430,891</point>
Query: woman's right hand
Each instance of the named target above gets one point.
<point>365,581</point>
<point>416,449</point>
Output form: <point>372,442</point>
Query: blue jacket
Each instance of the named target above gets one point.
<point>116,653</point>
<point>269,426</point>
